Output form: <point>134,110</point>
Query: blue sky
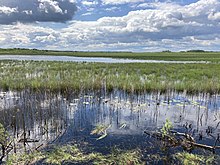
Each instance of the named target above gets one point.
<point>110,25</point>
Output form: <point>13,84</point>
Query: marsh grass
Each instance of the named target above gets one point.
<point>65,154</point>
<point>98,130</point>
<point>73,155</point>
<point>186,158</point>
<point>120,157</point>
<point>67,76</point>
<point>23,159</point>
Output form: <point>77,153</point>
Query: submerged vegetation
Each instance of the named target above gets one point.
<point>3,142</point>
<point>186,158</point>
<point>72,154</point>
<point>68,76</point>
<point>102,129</point>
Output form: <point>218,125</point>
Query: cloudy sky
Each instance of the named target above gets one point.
<point>110,25</point>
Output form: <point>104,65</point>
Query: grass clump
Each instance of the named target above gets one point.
<point>120,158</point>
<point>24,159</point>
<point>166,127</point>
<point>195,159</point>
<point>3,142</point>
<point>71,154</point>
<point>3,134</point>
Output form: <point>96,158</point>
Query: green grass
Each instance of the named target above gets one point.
<point>195,159</point>
<point>67,76</point>
<point>72,154</point>
<point>170,56</point>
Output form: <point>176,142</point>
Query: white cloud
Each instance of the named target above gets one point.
<point>12,11</point>
<point>145,5</point>
<point>86,14</point>
<point>202,8</point>
<point>118,2</point>
<point>114,8</point>
<point>48,5</point>
<point>214,16</point>
<point>50,38</point>
<point>7,10</point>
<point>27,35</point>
<point>141,28</point>
<point>164,26</point>
<point>89,3</point>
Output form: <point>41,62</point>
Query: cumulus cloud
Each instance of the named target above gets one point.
<point>163,22</point>
<point>12,11</point>
<point>163,26</point>
<point>27,35</point>
<point>118,2</point>
<point>89,3</point>
<point>215,16</point>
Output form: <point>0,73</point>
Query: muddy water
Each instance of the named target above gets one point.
<point>45,118</point>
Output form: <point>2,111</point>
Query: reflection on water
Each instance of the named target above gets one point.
<point>89,59</point>
<point>43,117</point>
<point>36,118</point>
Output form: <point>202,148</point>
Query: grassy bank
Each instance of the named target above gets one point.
<point>67,76</point>
<point>72,154</point>
<point>170,56</point>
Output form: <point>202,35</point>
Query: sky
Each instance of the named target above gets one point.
<point>110,25</point>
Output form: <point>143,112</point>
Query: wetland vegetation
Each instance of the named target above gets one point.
<point>96,113</point>
<point>67,76</point>
<point>106,127</point>
<point>192,55</point>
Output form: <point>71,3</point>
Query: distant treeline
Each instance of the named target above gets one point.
<point>44,50</point>
<point>196,50</point>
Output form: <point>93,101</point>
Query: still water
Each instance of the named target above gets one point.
<point>45,118</point>
<point>88,59</point>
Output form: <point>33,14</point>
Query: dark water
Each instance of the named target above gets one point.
<point>56,118</point>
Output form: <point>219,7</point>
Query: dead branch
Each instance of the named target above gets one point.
<point>187,141</point>
<point>28,140</point>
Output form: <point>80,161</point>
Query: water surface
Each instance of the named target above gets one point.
<point>56,118</point>
<point>88,59</point>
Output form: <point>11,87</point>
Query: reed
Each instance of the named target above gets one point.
<point>139,77</point>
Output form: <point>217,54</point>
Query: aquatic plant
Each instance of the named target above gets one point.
<point>3,142</point>
<point>166,127</point>
<point>68,76</point>
<point>194,159</point>
<point>25,158</point>
<point>100,130</point>
<point>119,157</point>
<point>69,153</point>
<point>73,155</point>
